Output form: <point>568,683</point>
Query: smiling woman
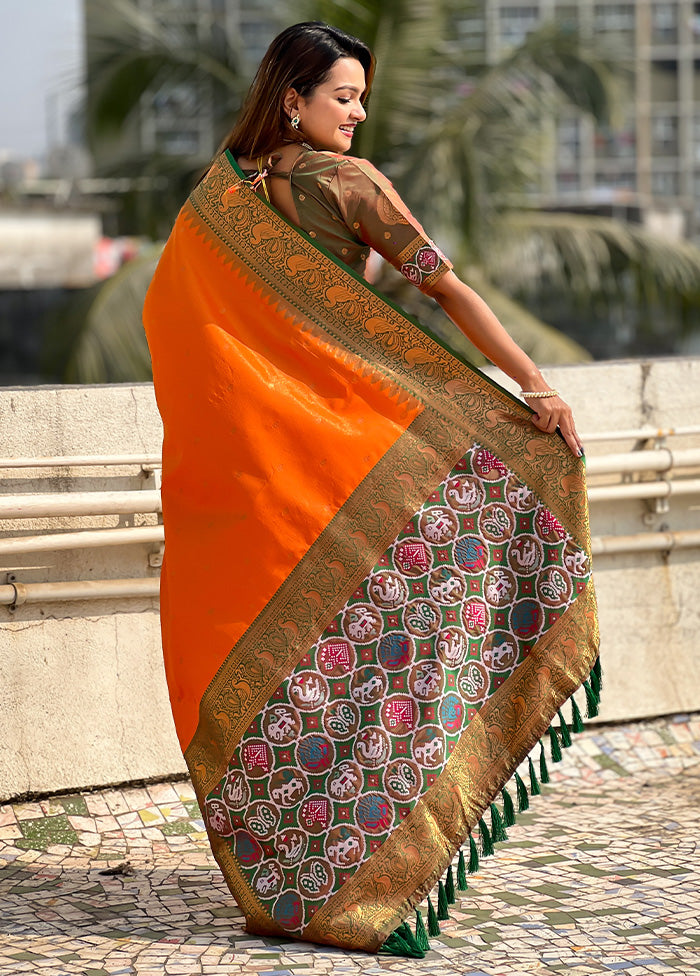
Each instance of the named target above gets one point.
<point>391,552</point>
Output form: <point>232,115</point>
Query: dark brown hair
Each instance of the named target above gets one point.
<point>301,57</point>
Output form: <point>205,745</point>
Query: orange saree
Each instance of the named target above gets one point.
<point>376,591</point>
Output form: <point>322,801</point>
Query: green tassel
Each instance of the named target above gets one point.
<point>473,856</point>
<point>421,934</point>
<point>461,872</point>
<point>442,912</point>
<point>591,701</point>
<point>508,808</point>
<point>498,830</point>
<point>433,924</point>
<point>598,671</point>
<point>450,887</point>
<point>534,785</point>
<point>486,842</point>
<point>544,772</point>
<point>576,720</point>
<point>401,942</point>
<point>523,798</point>
<point>564,730</point>
<point>554,746</point>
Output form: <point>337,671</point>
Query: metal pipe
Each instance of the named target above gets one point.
<point>89,539</point>
<point>644,489</point>
<point>81,460</point>
<point>640,434</point>
<point>645,542</point>
<point>79,503</point>
<point>660,459</point>
<point>16,594</point>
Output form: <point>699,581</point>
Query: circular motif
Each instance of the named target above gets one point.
<point>268,880</point>
<point>451,713</point>
<point>500,651</point>
<point>345,846</point>
<point>308,691</point>
<point>465,493</point>
<point>217,816</point>
<point>413,557</point>
<point>438,526</point>
<point>452,646</point>
<point>281,724</point>
<point>473,682</point>
<point>262,819</point>
<point>496,523</point>
<point>287,911</point>
<point>236,792</point>
<point>374,813</point>
<point>345,781</point>
<point>315,753</point>
<point>315,814</point>
<point>547,527</point>
<point>526,618</point>
<point>525,555</point>
<point>341,719</point>
<point>519,495</point>
<point>426,680</point>
<point>488,466</point>
<point>388,590</point>
<point>576,560</point>
<point>395,651</point>
<point>336,658</point>
<point>429,746</point>
<point>427,259</point>
<point>475,617</point>
<point>500,586</point>
<point>362,623</point>
<point>403,779</point>
<point>471,554</point>
<point>422,618</point>
<point>256,758</point>
<point>412,272</point>
<point>399,715</point>
<point>248,851</point>
<point>446,585</point>
<point>372,748</point>
<point>290,846</point>
<point>314,878</point>
<point>287,786</point>
<point>554,586</point>
<point>368,685</point>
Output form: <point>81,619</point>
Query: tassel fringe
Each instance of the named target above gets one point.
<point>450,887</point>
<point>401,942</point>
<point>555,748</point>
<point>508,808</point>
<point>486,841</point>
<point>421,934</point>
<point>473,855</point>
<point>461,872</point>
<point>433,924</point>
<point>523,798</point>
<point>564,733</point>
<point>498,830</point>
<point>544,772</point>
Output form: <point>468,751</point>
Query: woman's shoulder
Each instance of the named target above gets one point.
<point>319,161</point>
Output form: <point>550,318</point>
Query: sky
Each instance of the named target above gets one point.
<point>40,69</point>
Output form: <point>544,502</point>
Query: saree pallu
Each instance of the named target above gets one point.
<point>376,591</point>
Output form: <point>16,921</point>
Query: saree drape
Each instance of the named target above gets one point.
<point>376,589</point>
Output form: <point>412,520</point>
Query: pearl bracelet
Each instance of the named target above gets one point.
<point>542,394</point>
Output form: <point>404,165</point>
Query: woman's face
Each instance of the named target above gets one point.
<point>327,118</point>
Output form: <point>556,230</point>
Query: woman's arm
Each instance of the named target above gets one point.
<point>475,319</point>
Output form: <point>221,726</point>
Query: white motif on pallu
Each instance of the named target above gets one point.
<point>429,746</point>
<point>403,779</point>
<point>262,819</point>
<point>362,623</point>
<point>375,813</point>
<point>422,618</point>
<point>235,792</point>
<point>399,715</point>
<point>368,685</point>
<point>345,846</point>
<point>412,557</point>
<point>488,466</point>
<point>548,528</point>
<point>345,782</point>
<point>426,680</point>
<point>452,645</point>
<point>438,526</point>
<point>496,523</point>
<point>465,493</point>
<point>473,682</point>
<point>315,814</point>
<point>388,590</point>
<point>315,878</point>
<point>499,587</point>
<point>341,719</point>
<point>554,586</point>
<point>336,658</point>
<point>257,758</point>
<point>446,585</point>
<point>308,691</point>
<point>500,651</point>
<point>291,846</point>
<point>217,816</point>
<point>475,617</point>
<point>281,724</point>
<point>519,495</point>
<point>372,748</point>
<point>268,880</point>
<point>525,555</point>
<point>287,786</point>
<point>576,560</point>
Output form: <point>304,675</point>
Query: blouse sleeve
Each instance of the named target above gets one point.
<point>373,210</point>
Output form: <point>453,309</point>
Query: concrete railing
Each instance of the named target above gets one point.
<point>84,701</point>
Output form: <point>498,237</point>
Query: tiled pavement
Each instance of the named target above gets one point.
<point>600,876</point>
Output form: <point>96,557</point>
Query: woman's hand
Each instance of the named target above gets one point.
<point>553,412</point>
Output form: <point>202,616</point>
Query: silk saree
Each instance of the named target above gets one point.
<point>376,592</point>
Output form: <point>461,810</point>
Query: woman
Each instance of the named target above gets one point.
<point>376,593</point>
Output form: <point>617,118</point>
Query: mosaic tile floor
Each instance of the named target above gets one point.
<point>600,876</point>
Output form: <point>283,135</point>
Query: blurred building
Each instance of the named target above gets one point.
<point>651,161</point>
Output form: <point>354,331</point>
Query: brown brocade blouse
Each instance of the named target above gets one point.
<point>349,207</point>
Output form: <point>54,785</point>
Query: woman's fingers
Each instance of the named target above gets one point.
<point>553,412</point>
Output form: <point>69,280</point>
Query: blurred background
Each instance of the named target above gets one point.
<point>552,148</point>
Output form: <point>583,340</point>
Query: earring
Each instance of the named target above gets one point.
<point>295,121</point>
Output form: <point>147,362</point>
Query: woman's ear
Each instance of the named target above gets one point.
<point>290,102</point>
